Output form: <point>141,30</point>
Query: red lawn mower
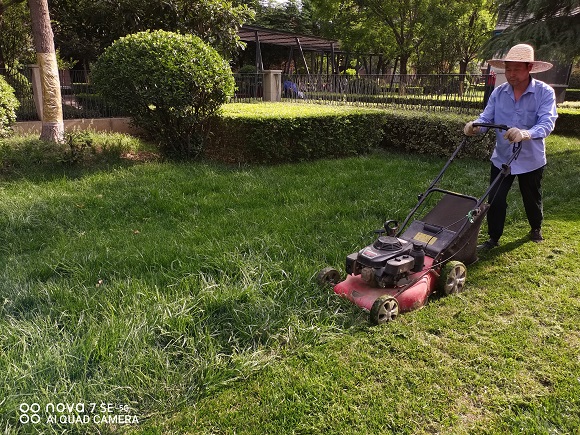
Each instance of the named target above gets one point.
<point>409,262</point>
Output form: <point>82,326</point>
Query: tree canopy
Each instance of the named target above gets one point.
<point>84,28</point>
<point>292,16</point>
<point>435,35</point>
<point>15,36</point>
<point>431,35</point>
<point>551,26</point>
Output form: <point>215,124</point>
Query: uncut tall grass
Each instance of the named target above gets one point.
<point>155,284</point>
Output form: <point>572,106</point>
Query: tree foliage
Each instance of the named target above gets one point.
<point>8,106</point>
<point>406,20</point>
<point>460,30</point>
<point>291,16</point>
<point>551,26</point>
<point>15,38</point>
<point>433,35</point>
<point>357,31</point>
<point>168,83</point>
<point>84,28</point>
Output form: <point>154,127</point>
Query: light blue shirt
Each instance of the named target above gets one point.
<point>535,111</point>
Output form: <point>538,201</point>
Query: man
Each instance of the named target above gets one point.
<point>528,107</point>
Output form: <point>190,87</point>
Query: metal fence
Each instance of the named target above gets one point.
<point>436,92</point>
<point>248,87</point>
<point>461,93</point>
<point>78,98</point>
<point>21,82</point>
<point>449,92</point>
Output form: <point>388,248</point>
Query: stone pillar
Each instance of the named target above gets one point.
<point>272,85</point>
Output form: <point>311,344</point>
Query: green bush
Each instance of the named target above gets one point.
<point>22,87</point>
<point>23,93</point>
<point>568,122</point>
<point>270,140</point>
<point>248,69</point>
<point>279,133</point>
<point>574,82</point>
<point>432,133</point>
<point>8,106</point>
<point>572,94</point>
<point>168,83</point>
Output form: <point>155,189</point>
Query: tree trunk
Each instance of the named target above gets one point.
<point>52,120</point>
<point>403,75</point>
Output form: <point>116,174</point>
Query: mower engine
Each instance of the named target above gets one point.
<point>388,260</point>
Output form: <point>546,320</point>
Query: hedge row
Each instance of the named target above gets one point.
<point>246,133</point>
<point>572,94</point>
<point>432,133</point>
<point>568,122</point>
<point>279,140</point>
<point>285,132</point>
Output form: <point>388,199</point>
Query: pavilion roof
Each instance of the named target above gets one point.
<point>287,39</point>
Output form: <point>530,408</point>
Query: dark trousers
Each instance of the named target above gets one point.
<point>531,190</point>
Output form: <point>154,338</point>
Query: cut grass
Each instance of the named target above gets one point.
<point>186,292</point>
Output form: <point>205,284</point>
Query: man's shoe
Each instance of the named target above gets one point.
<point>487,245</point>
<point>536,235</point>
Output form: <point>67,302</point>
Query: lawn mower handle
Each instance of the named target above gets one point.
<point>488,125</point>
<point>461,145</point>
<point>436,180</point>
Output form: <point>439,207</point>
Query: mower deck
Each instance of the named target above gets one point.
<point>411,293</point>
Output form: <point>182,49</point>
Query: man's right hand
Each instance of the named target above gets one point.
<point>470,130</point>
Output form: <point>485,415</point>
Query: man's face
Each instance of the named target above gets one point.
<point>516,73</point>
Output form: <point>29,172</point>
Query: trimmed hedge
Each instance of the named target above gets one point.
<point>292,132</point>
<point>281,133</point>
<point>279,140</point>
<point>434,134</point>
<point>568,122</point>
<point>439,134</point>
<point>572,94</point>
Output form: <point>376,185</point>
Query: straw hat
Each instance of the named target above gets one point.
<point>521,53</point>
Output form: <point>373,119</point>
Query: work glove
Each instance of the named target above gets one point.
<point>470,130</point>
<point>514,134</point>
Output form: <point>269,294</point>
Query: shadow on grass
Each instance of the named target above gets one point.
<point>42,171</point>
<point>81,153</point>
<point>502,248</point>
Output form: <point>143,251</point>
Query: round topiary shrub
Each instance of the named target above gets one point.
<point>8,106</point>
<point>168,83</point>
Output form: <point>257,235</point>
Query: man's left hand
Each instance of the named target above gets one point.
<point>514,134</point>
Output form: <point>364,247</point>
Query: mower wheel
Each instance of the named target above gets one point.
<point>328,276</point>
<point>385,309</point>
<point>452,278</point>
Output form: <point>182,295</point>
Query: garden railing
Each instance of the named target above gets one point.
<point>434,92</point>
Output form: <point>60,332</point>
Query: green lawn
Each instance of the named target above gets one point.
<point>183,296</point>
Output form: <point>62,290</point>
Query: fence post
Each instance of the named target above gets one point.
<point>272,85</point>
<point>37,89</point>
